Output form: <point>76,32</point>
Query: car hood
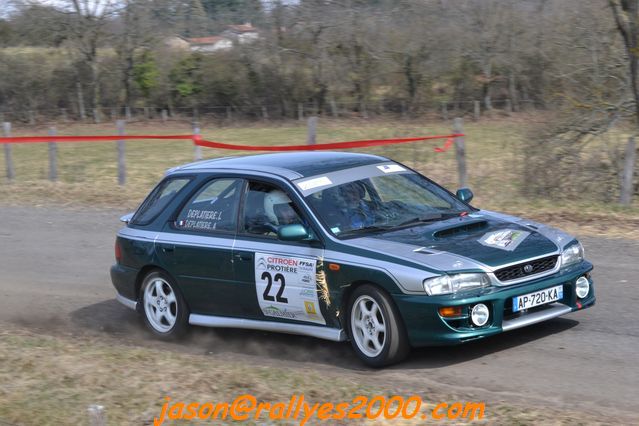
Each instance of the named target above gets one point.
<point>483,240</point>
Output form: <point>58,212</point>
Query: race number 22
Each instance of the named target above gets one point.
<point>269,283</point>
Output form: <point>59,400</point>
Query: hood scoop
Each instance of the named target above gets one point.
<point>458,228</point>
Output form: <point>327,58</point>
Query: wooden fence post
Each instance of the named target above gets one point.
<point>164,116</point>
<point>81,110</point>
<point>311,138</point>
<point>147,113</point>
<point>96,115</point>
<point>445,111</point>
<point>97,415</point>
<point>121,147</point>
<point>229,113</point>
<point>114,113</point>
<point>127,113</point>
<point>264,113</point>
<point>460,151</point>
<point>8,158</point>
<point>53,156</point>
<point>404,110</point>
<point>363,110</point>
<point>334,111</point>
<point>627,181</point>
<point>300,112</point>
<point>477,110</point>
<point>197,149</point>
<point>509,107</point>
<point>31,117</point>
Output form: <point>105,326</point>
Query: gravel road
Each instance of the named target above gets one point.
<point>54,278</point>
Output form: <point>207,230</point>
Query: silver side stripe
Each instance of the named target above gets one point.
<point>195,240</point>
<point>327,333</point>
<point>409,280</point>
<point>137,234</point>
<point>131,304</point>
<point>557,309</point>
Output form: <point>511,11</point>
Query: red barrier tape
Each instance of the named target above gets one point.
<point>40,139</point>
<point>197,140</point>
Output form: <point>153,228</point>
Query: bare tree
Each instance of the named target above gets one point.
<point>134,32</point>
<point>626,14</point>
<point>86,28</point>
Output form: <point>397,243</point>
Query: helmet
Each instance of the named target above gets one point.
<point>354,188</point>
<point>272,201</point>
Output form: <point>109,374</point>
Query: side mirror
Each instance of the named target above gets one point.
<point>465,194</point>
<point>294,232</point>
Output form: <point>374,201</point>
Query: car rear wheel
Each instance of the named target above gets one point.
<point>375,327</point>
<point>165,312</point>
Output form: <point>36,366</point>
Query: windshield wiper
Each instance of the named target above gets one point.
<point>420,219</point>
<point>365,229</point>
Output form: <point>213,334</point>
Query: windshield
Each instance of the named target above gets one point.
<point>383,202</point>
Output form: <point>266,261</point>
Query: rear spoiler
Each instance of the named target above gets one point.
<point>127,217</point>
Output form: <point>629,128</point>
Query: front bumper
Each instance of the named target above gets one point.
<point>425,327</point>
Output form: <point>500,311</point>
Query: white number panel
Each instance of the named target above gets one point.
<point>287,287</point>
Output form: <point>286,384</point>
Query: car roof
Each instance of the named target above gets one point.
<point>291,165</point>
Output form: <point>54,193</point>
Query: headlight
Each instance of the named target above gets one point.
<point>447,284</point>
<point>572,254</point>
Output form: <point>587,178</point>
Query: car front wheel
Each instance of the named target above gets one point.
<point>165,312</point>
<point>375,327</point>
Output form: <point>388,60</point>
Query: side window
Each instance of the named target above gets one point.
<point>267,208</point>
<point>158,200</point>
<point>213,208</point>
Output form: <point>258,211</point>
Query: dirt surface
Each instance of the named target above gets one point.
<point>54,280</point>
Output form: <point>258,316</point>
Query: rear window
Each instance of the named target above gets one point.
<point>157,201</point>
<point>213,208</point>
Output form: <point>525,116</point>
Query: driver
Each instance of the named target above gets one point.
<point>357,212</point>
<point>279,208</point>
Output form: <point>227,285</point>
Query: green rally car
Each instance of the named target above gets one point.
<point>339,246</point>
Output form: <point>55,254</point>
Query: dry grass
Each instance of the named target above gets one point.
<point>495,156</point>
<point>48,380</point>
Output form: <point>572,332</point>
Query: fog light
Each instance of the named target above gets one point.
<point>583,287</point>
<point>480,314</point>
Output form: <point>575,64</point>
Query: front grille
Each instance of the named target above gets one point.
<point>517,271</point>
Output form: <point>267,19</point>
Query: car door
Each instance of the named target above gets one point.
<point>283,274</point>
<point>197,246</point>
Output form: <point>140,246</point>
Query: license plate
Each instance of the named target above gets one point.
<point>537,298</point>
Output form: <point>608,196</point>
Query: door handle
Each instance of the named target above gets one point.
<point>168,249</point>
<point>243,256</point>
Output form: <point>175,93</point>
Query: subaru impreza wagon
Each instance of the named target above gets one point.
<point>339,246</point>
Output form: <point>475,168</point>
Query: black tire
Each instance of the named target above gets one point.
<point>394,347</point>
<point>168,308</point>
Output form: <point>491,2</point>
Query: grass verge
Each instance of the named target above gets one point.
<point>46,380</point>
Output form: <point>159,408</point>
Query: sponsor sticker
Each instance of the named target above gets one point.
<point>505,239</point>
<point>391,168</point>
<point>287,287</point>
<point>314,183</point>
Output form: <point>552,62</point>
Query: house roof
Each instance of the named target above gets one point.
<point>206,40</point>
<point>242,28</point>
